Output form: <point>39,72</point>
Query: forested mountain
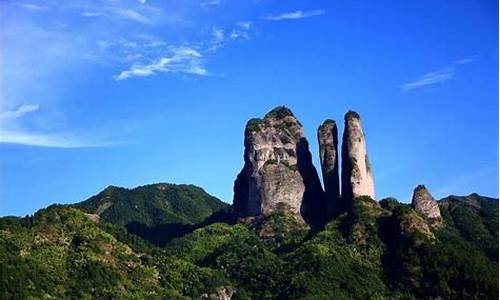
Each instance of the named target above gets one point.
<point>284,237</point>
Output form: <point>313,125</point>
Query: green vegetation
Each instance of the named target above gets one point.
<point>254,124</point>
<point>371,252</point>
<point>329,121</point>
<point>351,114</point>
<point>157,212</point>
<point>153,205</point>
<point>279,112</point>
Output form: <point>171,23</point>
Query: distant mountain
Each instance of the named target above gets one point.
<point>476,220</point>
<point>152,205</point>
<point>60,253</point>
<point>155,212</point>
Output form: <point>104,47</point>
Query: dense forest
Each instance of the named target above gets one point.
<point>185,244</point>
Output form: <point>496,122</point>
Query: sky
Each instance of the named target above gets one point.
<point>127,93</point>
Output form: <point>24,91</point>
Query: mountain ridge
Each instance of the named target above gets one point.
<point>277,241</point>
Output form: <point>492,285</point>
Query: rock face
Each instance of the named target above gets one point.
<point>328,154</point>
<point>427,206</point>
<point>357,177</point>
<point>278,175</point>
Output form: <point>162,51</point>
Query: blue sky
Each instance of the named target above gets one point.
<point>98,93</point>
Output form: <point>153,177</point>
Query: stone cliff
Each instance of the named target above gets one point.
<point>329,158</point>
<point>357,178</point>
<point>278,174</point>
<point>423,202</point>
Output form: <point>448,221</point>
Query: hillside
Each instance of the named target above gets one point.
<point>371,252</point>
<point>157,212</point>
<point>284,237</point>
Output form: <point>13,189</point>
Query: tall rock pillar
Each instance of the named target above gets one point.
<point>278,174</point>
<point>357,177</point>
<point>328,154</point>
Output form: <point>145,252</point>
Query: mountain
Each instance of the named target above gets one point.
<point>283,238</point>
<point>476,220</point>
<point>60,253</point>
<point>156,212</point>
<point>152,205</point>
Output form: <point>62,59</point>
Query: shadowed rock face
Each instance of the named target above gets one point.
<point>427,206</point>
<point>357,178</point>
<point>328,154</point>
<point>278,174</point>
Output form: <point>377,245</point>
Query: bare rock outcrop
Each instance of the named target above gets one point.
<point>278,175</point>
<point>328,154</point>
<point>423,202</point>
<point>357,177</point>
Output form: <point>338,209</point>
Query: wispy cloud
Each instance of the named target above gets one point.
<point>19,112</point>
<point>129,14</point>
<point>8,135</point>
<point>239,34</point>
<point>33,7</point>
<point>435,77</point>
<point>463,61</point>
<point>429,79</point>
<point>46,140</point>
<point>210,3</point>
<point>299,14</point>
<point>124,13</point>
<point>244,24</point>
<point>218,37</point>
<point>181,60</point>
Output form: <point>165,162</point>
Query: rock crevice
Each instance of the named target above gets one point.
<point>328,154</point>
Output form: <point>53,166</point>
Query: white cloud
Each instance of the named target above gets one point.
<point>429,79</point>
<point>299,14</point>
<point>239,34</point>
<point>435,77</point>
<point>181,60</point>
<point>463,61</point>
<point>129,14</point>
<point>91,14</point>
<point>19,112</point>
<point>119,12</point>
<point>218,37</point>
<point>46,140</point>
<point>244,24</point>
<point>33,7</point>
<point>210,3</point>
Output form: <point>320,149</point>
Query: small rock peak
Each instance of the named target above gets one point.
<point>351,115</point>
<point>328,154</point>
<point>357,177</point>
<point>328,121</point>
<point>422,187</point>
<point>279,112</point>
<point>423,202</point>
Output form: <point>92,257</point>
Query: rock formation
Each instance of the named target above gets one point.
<point>278,174</point>
<point>328,154</point>
<point>427,206</point>
<point>357,178</point>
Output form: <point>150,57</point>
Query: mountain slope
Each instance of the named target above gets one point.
<point>475,218</point>
<point>375,250</point>
<point>155,212</point>
<point>59,253</point>
<point>152,205</point>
